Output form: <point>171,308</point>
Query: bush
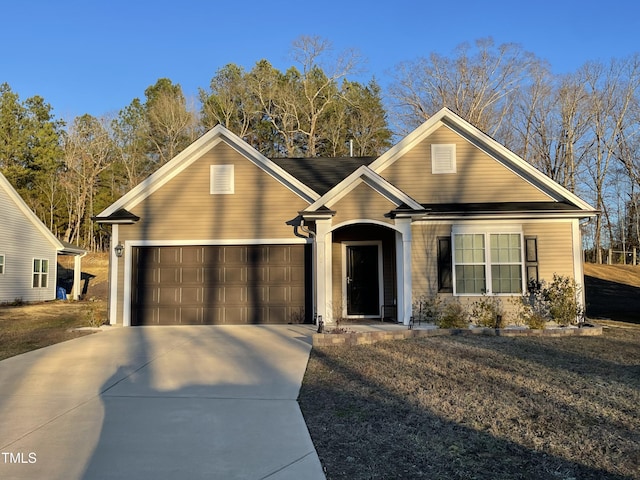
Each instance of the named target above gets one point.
<point>454,315</point>
<point>555,301</point>
<point>488,312</point>
<point>561,295</point>
<point>427,308</point>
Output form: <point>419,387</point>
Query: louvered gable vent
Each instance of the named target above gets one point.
<point>222,179</point>
<point>443,158</point>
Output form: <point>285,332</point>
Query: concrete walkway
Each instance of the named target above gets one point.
<point>159,403</point>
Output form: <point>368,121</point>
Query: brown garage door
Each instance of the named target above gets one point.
<point>194,285</point>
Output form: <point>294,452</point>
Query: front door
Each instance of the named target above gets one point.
<point>363,280</point>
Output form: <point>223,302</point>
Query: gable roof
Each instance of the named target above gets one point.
<point>488,145</point>
<point>192,153</point>
<point>322,173</point>
<point>364,174</point>
<point>31,217</point>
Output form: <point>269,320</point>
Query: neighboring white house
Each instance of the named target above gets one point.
<point>29,252</point>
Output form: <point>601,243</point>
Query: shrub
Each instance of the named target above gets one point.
<point>454,315</point>
<point>488,312</point>
<point>94,315</point>
<point>427,308</point>
<point>561,295</point>
<point>555,301</point>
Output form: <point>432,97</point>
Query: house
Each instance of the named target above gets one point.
<point>29,252</point>
<point>222,234</point>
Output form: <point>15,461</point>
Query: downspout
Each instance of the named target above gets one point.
<point>312,236</point>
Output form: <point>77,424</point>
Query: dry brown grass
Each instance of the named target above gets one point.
<point>624,274</point>
<point>478,408</point>
<point>36,325</point>
<point>28,327</point>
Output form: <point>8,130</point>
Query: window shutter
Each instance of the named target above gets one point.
<point>443,158</point>
<point>222,181</point>
<point>445,268</point>
<point>531,259</point>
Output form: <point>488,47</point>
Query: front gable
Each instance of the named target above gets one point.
<point>245,203</point>
<point>362,196</point>
<point>199,148</point>
<point>19,221</point>
<point>217,188</point>
<point>481,170</point>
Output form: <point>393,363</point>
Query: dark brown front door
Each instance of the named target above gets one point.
<point>193,285</point>
<point>363,294</point>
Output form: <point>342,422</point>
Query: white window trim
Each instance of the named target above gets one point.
<point>3,263</point>
<point>40,274</point>
<point>487,231</point>
<point>222,172</point>
<point>437,149</point>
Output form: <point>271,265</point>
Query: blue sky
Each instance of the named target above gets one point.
<point>96,57</point>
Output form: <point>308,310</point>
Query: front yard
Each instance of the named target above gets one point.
<point>476,407</point>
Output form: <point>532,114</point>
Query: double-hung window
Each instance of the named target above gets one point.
<point>1,264</point>
<point>40,272</point>
<point>487,261</point>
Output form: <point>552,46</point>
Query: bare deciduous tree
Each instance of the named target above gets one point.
<point>480,84</point>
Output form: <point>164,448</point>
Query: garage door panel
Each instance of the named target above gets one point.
<point>192,256</point>
<point>170,275</point>
<point>234,275</point>
<point>191,296</point>
<point>297,296</point>
<point>167,295</point>
<point>191,275</point>
<point>219,284</point>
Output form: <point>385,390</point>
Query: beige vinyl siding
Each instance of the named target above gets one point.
<point>555,248</point>
<point>479,178</point>
<point>362,202</point>
<point>424,261</point>
<point>183,208</point>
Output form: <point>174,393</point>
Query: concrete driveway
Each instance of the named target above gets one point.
<point>159,402</point>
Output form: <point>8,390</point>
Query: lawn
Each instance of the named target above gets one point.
<point>471,407</point>
<point>476,407</point>
<point>27,327</point>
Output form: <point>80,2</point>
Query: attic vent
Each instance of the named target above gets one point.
<point>222,179</point>
<point>443,158</point>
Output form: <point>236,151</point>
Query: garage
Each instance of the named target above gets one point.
<point>215,285</point>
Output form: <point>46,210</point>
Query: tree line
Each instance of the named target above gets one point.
<point>579,128</point>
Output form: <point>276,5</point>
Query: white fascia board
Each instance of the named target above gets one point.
<point>29,214</point>
<point>364,174</point>
<point>192,153</point>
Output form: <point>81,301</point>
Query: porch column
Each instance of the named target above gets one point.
<point>403,269</point>
<point>77,277</point>
<point>578,270</point>
<point>324,295</point>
